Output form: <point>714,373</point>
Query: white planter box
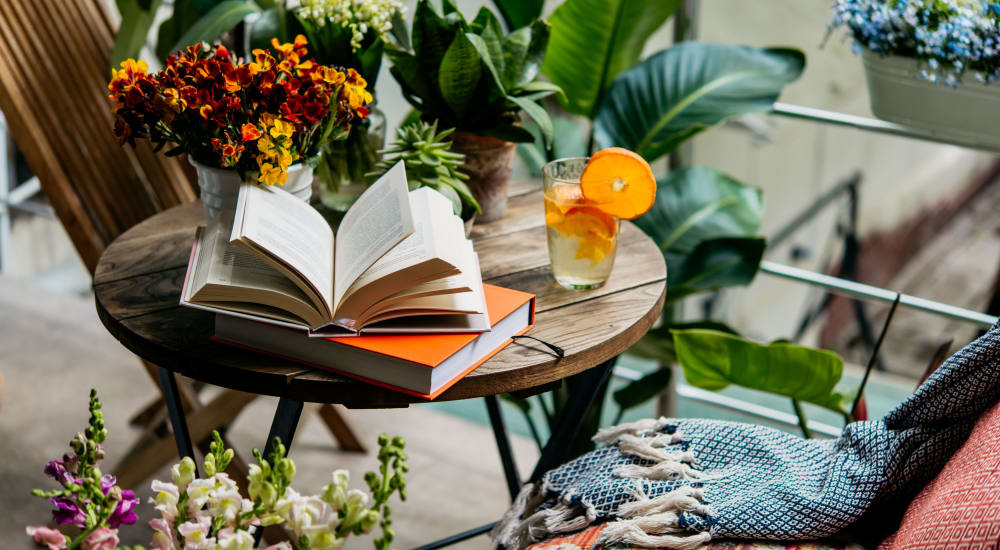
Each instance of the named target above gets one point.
<point>968,114</point>
<point>219,188</point>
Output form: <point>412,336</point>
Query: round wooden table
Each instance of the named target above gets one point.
<point>138,280</point>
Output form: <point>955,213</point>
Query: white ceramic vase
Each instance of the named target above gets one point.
<point>963,114</point>
<point>219,187</point>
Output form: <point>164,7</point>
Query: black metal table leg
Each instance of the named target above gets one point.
<point>587,385</point>
<point>175,409</point>
<point>503,445</point>
<point>286,419</point>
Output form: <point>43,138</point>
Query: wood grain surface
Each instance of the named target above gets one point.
<point>138,280</point>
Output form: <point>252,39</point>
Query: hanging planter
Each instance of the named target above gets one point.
<point>898,93</point>
<point>929,64</point>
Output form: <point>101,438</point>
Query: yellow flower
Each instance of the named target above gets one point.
<point>174,99</point>
<point>271,174</point>
<point>282,128</point>
<point>268,148</point>
<point>357,96</point>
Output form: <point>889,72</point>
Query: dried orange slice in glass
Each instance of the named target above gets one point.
<point>620,182</point>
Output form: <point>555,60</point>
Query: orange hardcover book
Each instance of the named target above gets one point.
<point>423,365</point>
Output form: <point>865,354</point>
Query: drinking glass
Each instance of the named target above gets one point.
<point>582,238</point>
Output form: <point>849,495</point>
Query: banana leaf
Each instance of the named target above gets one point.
<point>137,18</point>
<point>593,41</point>
<point>691,86</point>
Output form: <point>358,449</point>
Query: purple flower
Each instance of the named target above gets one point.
<point>67,511</point>
<point>56,469</point>
<point>123,514</point>
<point>107,482</point>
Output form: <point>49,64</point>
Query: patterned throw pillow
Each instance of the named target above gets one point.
<point>960,508</point>
<point>585,540</point>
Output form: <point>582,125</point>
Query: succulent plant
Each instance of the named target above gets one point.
<point>430,162</point>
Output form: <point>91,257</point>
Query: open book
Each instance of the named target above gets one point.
<point>399,262</point>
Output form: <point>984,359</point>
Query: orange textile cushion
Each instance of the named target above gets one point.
<point>960,508</point>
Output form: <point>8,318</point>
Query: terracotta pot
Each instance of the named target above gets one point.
<point>488,163</point>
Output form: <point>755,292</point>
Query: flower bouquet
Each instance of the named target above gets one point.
<point>350,33</point>
<point>929,62</point>
<point>265,119</point>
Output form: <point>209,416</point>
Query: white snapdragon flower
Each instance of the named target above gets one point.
<point>359,15</point>
<point>166,499</point>
<point>228,539</point>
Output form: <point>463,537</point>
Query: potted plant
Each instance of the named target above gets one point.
<point>929,63</point>
<point>263,120</point>
<point>471,77</point>
<point>430,162</point>
<point>349,34</point>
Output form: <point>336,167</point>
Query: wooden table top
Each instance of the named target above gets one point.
<point>138,280</point>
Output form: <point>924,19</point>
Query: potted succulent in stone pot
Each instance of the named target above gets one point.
<point>929,63</point>
<point>472,77</point>
<point>431,162</point>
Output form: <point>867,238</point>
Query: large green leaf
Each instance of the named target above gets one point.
<point>137,18</point>
<point>714,264</point>
<point>459,74</point>
<point>593,41</point>
<point>523,51</point>
<point>698,204</point>
<point>688,87</point>
<point>713,360</point>
<point>431,37</point>
<point>218,20</point>
<point>519,13</point>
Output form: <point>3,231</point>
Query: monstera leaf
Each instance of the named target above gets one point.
<point>682,90</point>
<point>713,360</point>
<point>704,222</point>
<point>593,41</point>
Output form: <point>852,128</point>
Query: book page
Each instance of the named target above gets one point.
<point>291,233</point>
<point>376,223</point>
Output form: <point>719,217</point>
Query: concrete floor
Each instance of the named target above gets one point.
<point>53,349</point>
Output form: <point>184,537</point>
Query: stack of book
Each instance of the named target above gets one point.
<point>394,298</point>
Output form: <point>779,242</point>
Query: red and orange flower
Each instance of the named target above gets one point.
<point>257,117</point>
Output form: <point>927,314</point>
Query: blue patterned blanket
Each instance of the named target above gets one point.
<point>677,483</point>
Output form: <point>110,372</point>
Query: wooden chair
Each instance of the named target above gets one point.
<point>54,69</point>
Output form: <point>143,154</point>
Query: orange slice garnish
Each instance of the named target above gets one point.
<point>620,182</point>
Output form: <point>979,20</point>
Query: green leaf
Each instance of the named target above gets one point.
<point>698,203</point>
<point>431,38</point>
<point>270,25</point>
<point>452,195</point>
<point>137,18</point>
<point>459,74</point>
<point>639,391</point>
<point>464,192</point>
<point>510,132</point>
<point>487,58</point>
<point>688,85</point>
<point>399,32</point>
<point>537,114</point>
<point>718,263</point>
<point>593,41</point>
<point>537,89</point>
<point>220,19</point>
<point>658,343</point>
<point>713,360</point>
<point>569,139</point>
<point>695,205</point>
<point>485,21</point>
<point>519,13</point>
<point>185,13</point>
